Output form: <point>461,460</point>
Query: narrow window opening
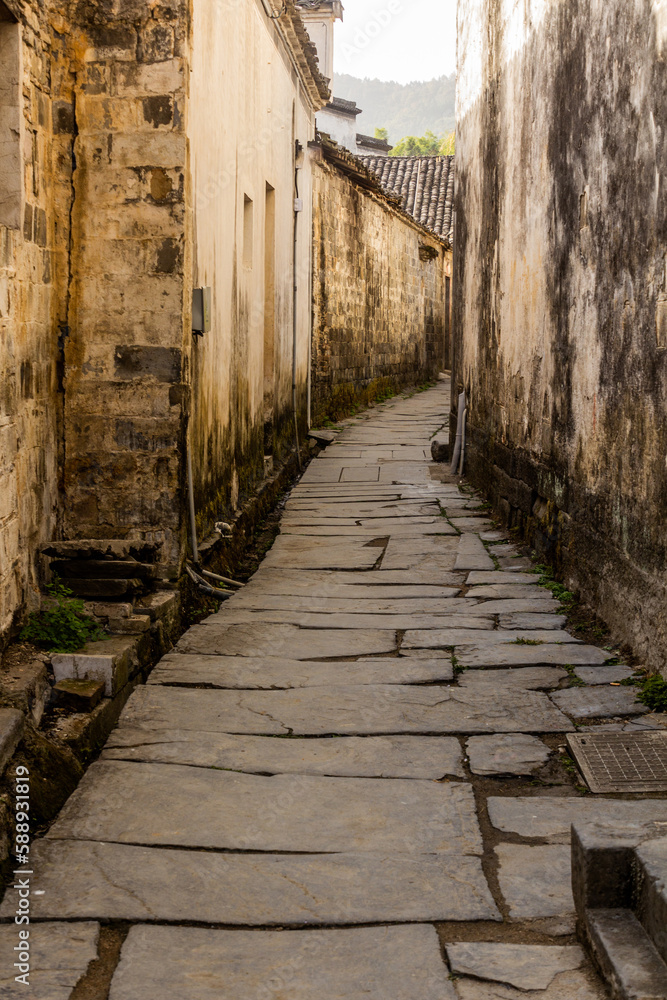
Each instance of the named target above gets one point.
<point>248,224</point>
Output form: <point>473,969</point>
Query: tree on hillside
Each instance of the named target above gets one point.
<point>382,133</point>
<point>429,144</point>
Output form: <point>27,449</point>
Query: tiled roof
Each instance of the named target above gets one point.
<point>357,168</point>
<point>370,142</point>
<point>425,185</point>
<point>289,22</point>
<point>346,107</point>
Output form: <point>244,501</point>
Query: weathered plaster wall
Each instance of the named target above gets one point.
<point>35,167</point>
<point>378,307</point>
<point>560,289</point>
<point>247,110</point>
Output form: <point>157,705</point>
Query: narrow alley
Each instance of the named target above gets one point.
<point>346,782</point>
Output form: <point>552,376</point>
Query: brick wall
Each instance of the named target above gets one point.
<point>378,296</point>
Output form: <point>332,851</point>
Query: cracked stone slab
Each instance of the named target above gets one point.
<point>471,617</point>
<point>189,963</point>
<point>487,643</point>
<point>528,967</point>
<point>511,753</point>
<point>599,702</point>
<point>212,639</point>
<point>536,882</point>
<point>425,757</point>
<point>519,655</point>
<point>471,554</point>
<point>353,710</point>
<point>604,675</point>
<point>59,957</point>
<point>196,807</point>
<point>531,620</point>
<point>581,984</point>
<point>530,678</point>
<point>551,817</point>
<point>246,672</point>
<point>82,880</point>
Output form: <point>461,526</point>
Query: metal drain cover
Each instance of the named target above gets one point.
<point>622,762</point>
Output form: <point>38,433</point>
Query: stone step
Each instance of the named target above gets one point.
<point>110,661</point>
<point>627,957</point>
<point>93,569</point>
<point>102,548</point>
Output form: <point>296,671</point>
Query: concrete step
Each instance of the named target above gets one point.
<point>626,955</point>
<point>619,882</point>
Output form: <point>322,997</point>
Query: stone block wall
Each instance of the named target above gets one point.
<point>378,296</point>
<point>560,290</point>
<point>126,352</point>
<point>35,171</point>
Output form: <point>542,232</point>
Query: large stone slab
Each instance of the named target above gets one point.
<point>331,583</point>
<point>536,882</point>
<point>523,605</point>
<point>520,655</point>
<point>529,678</point>
<point>196,807</point>
<point>599,702</point>
<point>471,617</point>
<point>188,963</point>
<point>300,552</point>
<point>528,967</point>
<point>582,984</point>
<point>500,591</point>
<point>216,639</point>
<point>83,880</point>
<point>430,552</point>
<point>355,710</point>
<point>531,620</point>
<point>425,757</point>
<point>493,639</point>
<point>498,576</point>
<point>604,675</point>
<point>246,672</point>
<point>513,753</point>
<point>471,554</point>
<point>357,604</point>
<point>59,956</point>
<point>551,817</point>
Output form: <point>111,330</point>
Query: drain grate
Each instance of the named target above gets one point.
<point>622,762</point>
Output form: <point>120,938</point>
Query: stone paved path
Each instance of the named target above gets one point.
<point>344,784</point>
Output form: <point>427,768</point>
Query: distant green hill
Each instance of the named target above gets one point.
<point>403,109</point>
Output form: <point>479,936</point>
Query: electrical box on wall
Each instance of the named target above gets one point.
<point>201,311</point>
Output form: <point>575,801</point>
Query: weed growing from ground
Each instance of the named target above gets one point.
<point>63,627</point>
<point>653,693</point>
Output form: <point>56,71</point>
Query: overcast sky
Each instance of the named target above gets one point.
<point>401,40</point>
